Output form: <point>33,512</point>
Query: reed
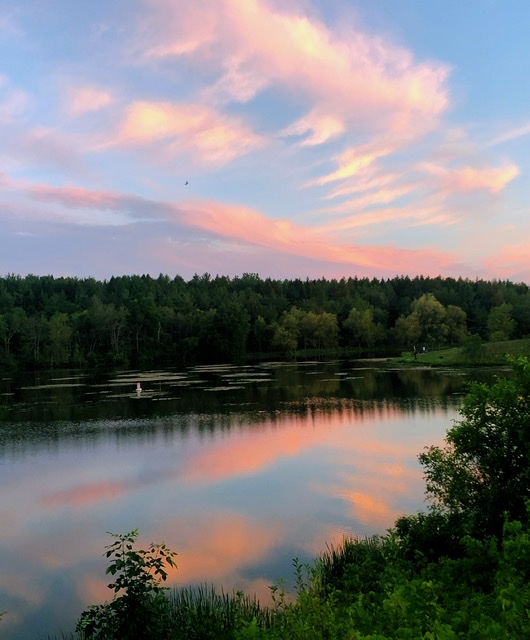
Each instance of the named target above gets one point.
<point>355,564</point>
<point>203,613</point>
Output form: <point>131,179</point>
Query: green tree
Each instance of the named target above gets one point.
<point>15,320</point>
<point>326,334</point>
<point>227,331</point>
<point>260,333</point>
<point>363,329</point>
<point>164,318</point>
<point>472,348</point>
<point>60,336</point>
<point>35,330</point>
<point>456,320</point>
<point>500,323</point>
<point>287,332</point>
<point>407,330</point>
<point>431,315</point>
<point>318,330</point>
<point>483,472</point>
<point>285,341</point>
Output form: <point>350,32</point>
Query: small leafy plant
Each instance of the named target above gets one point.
<point>139,608</point>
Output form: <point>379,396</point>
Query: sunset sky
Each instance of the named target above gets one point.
<point>288,138</point>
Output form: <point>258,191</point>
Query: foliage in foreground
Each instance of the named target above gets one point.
<point>364,590</point>
<point>461,570</point>
<point>483,471</point>
<point>140,611</point>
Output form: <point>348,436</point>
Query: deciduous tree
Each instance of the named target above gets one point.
<point>501,323</point>
<point>483,471</point>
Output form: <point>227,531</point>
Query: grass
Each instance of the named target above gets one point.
<point>489,353</point>
<point>357,563</point>
<point>203,613</point>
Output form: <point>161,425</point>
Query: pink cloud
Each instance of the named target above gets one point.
<point>354,161</point>
<point>216,547</point>
<point>367,508</point>
<point>320,128</point>
<point>258,450</point>
<point>239,83</point>
<point>251,228</point>
<point>196,131</point>
<point>511,134</point>
<point>350,77</point>
<point>468,179</point>
<point>254,452</point>
<point>86,495</point>
<point>512,262</point>
<point>81,100</point>
<point>370,199</point>
<point>81,198</point>
<point>14,104</point>
<point>367,181</point>
<point>42,147</point>
<point>81,206</point>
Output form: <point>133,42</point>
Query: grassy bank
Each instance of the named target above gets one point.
<point>383,588</point>
<point>475,353</point>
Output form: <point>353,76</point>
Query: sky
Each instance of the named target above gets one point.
<point>288,138</point>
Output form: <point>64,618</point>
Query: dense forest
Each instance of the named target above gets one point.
<point>140,320</point>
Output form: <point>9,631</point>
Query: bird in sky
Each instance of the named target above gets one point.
<point>186,183</point>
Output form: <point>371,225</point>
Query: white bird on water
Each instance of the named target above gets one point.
<point>138,388</point>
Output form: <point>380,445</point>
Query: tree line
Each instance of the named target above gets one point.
<point>140,320</point>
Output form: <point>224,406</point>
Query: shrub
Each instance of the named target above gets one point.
<point>141,608</point>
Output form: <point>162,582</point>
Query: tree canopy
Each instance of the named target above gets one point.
<point>135,320</point>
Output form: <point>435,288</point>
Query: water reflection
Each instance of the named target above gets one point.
<point>55,396</point>
<point>239,470</point>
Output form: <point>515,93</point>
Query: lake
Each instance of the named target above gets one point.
<point>238,469</point>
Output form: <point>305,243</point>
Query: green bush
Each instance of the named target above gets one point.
<point>483,473</point>
<point>141,608</point>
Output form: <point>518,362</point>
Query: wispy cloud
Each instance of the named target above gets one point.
<point>238,224</point>
<point>511,134</point>
<point>512,262</point>
<point>352,78</point>
<point>353,161</point>
<point>14,103</point>
<point>42,147</point>
<point>206,136</point>
<point>249,226</point>
<point>87,99</point>
<point>81,206</point>
<point>468,178</point>
<point>320,128</point>
<point>370,199</point>
<point>85,495</point>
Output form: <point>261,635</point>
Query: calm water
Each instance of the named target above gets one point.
<point>238,469</point>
